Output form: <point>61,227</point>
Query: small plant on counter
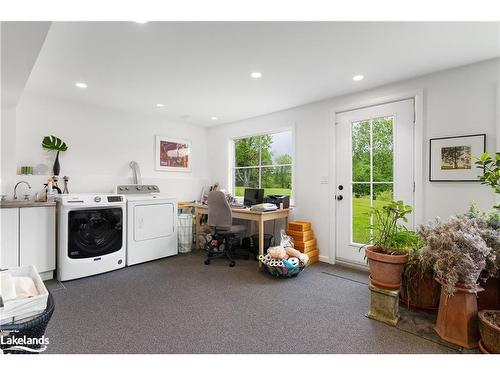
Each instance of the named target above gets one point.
<point>52,143</point>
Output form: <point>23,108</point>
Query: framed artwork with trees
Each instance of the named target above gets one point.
<point>452,158</point>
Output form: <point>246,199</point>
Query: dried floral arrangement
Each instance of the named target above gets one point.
<point>489,228</point>
<point>457,250</point>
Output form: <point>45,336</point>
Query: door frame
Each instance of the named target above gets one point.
<point>418,161</point>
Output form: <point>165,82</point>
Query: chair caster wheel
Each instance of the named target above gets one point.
<point>207,262</point>
<point>232,264</point>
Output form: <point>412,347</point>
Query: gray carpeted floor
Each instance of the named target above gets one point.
<point>180,305</point>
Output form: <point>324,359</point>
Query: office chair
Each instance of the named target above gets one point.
<point>220,221</point>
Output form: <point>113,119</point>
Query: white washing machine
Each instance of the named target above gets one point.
<point>91,234</point>
<point>152,223</point>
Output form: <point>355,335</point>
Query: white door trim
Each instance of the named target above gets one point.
<point>419,162</point>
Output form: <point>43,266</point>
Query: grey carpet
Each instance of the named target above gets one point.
<point>180,305</point>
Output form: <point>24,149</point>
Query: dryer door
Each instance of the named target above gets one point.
<point>153,221</point>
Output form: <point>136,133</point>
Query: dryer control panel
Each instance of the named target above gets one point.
<point>137,189</point>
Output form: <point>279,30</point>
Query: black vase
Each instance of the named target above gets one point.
<point>57,167</point>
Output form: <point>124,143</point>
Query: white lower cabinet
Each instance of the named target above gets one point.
<point>29,237</point>
<point>37,240</point>
<point>9,250</point>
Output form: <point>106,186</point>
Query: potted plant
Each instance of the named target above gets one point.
<point>52,143</point>
<point>419,289</point>
<point>489,229</point>
<point>489,327</point>
<point>390,244</point>
<point>459,254</point>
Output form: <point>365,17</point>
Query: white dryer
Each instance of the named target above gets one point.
<point>91,234</point>
<point>152,223</point>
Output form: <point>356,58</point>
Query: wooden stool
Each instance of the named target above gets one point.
<point>384,305</point>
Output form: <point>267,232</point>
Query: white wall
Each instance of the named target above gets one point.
<point>8,146</point>
<point>101,143</point>
<point>456,102</point>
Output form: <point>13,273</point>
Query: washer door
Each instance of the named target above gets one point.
<point>153,221</point>
<point>94,232</point>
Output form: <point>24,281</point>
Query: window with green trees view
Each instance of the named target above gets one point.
<point>263,161</point>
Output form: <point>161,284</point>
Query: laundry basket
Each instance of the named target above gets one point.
<point>185,232</point>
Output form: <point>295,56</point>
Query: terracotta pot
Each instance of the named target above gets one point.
<point>490,334</point>
<point>457,317</point>
<point>420,292</point>
<point>490,298</point>
<point>385,270</point>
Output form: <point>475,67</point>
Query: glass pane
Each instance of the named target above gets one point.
<point>246,152</point>
<point>245,178</point>
<point>360,213</point>
<point>382,139</point>
<point>277,148</point>
<point>277,180</point>
<point>361,151</point>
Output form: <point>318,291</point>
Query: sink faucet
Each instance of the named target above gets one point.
<point>15,188</point>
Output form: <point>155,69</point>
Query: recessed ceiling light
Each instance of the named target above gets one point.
<point>141,21</point>
<point>159,105</point>
<point>256,75</point>
<point>358,77</point>
<point>213,118</point>
<point>81,85</point>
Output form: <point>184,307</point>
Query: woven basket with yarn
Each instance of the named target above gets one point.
<point>276,267</point>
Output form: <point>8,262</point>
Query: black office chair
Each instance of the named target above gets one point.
<point>224,232</point>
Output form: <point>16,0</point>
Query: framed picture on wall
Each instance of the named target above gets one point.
<point>452,158</point>
<point>172,154</point>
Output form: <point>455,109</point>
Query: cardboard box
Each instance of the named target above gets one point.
<point>301,236</point>
<point>299,226</point>
<point>313,260</point>
<point>305,246</point>
<point>312,253</point>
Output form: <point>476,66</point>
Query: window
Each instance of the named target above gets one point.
<point>263,161</point>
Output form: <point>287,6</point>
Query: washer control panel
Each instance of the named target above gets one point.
<point>137,189</point>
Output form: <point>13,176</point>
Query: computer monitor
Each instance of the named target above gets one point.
<point>253,196</point>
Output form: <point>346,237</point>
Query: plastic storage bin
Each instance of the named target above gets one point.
<point>18,309</point>
<point>185,232</point>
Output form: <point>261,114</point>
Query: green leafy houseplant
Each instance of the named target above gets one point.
<point>53,143</point>
<point>391,242</point>
<point>491,168</point>
<point>389,235</point>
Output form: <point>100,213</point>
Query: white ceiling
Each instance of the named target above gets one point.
<point>202,69</point>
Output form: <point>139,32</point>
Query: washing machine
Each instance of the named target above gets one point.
<point>91,234</point>
<point>152,223</point>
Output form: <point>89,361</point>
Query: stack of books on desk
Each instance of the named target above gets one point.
<point>303,239</point>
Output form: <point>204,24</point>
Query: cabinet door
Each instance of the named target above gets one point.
<point>9,252</point>
<point>37,239</point>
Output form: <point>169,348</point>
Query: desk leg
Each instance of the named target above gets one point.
<point>197,228</point>
<point>261,239</point>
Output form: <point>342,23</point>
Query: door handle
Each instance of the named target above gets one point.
<point>339,197</point>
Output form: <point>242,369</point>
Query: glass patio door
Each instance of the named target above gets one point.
<point>374,165</point>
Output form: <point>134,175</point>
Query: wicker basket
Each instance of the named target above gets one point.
<point>283,271</point>
<point>30,327</point>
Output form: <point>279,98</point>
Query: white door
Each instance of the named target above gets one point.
<point>37,237</point>
<point>374,165</point>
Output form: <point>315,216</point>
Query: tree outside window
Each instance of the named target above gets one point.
<point>264,161</point>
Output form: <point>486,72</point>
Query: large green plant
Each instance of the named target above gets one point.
<point>52,143</point>
<point>491,168</point>
<point>387,231</point>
